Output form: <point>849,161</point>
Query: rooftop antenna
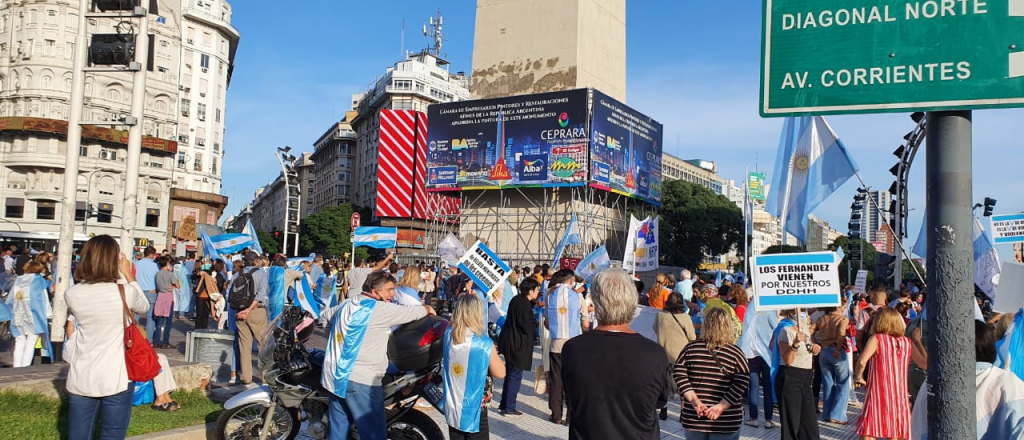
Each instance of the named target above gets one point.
<point>403,38</point>
<point>432,29</point>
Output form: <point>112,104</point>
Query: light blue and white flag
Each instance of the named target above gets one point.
<point>593,263</point>
<point>563,313</point>
<point>840,255</point>
<point>304,297</point>
<point>29,306</point>
<point>986,261</point>
<point>921,245</point>
<point>251,232</point>
<point>276,291</point>
<point>348,328</point>
<point>811,164</point>
<point>375,237</point>
<point>295,263</point>
<point>465,377</point>
<point>572,236</point>
<point>229,243</point>
<point>1010,349</point>
<point>326,291</point>
<point>208,247</point>
<point>718,279</point>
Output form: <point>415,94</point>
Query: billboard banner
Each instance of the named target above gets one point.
<point>755,186</point>
<point>533,140</point>
<point>626,150</point>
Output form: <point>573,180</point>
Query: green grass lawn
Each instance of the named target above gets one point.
<point>34,416</point>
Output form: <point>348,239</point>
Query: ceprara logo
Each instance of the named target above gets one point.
<point>563,120</point>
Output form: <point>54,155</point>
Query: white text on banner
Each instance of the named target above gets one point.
<point>484,267</point>
<point>788,281</point>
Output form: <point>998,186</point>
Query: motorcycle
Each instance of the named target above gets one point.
<point>292,393</point>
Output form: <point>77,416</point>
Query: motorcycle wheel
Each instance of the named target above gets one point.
<point>414,425</point>
<point>246,421</point>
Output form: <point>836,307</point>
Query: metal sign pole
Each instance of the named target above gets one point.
<point>951,389</point>
<point>130,209</point>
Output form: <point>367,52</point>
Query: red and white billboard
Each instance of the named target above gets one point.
<point>402,171</point>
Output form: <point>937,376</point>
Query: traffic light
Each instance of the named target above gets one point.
<point>277,235</point>
<point>884,266</point>
<point>990,204</point>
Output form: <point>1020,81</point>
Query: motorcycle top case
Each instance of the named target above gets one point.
<point>418,344</point>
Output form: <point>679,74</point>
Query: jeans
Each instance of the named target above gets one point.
<point>150,322</point>
<point>363,406</point>
<point>835,376</point>
<point>116,412</point>
<point>162,333</point>
<point>760,374</point>
<point>510,388</point>
<point>696,435</point>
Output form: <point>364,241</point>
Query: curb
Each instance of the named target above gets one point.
<point>196,432</point>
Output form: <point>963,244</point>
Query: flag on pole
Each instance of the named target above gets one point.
<point>986,261</point>
<point>572,236</point>
<point>208,247</point>
<point>375,237</point>
<point>303,296</point>
<point>811,164</point>
<point>593,263</point>
<point>251,231</point>
<point>718,279</point>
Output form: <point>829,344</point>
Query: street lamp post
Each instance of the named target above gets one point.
<point>287,168</point>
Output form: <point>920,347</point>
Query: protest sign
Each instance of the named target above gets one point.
<point>482,266</point>
<point>1010,293</point>
<point>1008,228</point>
<point>788,281</point>
<point>641,245</point>
<point>861,285</point>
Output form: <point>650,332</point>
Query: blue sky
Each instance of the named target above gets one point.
<point>693,66</point>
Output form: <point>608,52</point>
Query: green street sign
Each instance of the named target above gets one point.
<point>867,56</point>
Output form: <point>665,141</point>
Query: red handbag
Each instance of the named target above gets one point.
<point>139,356</point>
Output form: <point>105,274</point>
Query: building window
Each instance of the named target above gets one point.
<point>49,47</point>
<point>15,208</point>
<point>181,160</point>
<point>204,61</point>
<point>83,151</point>
<point>216,147</point>
<point>217,113</point>
<point>105,213</point>
<point>201,111</point>
<point>152,218</point>
<point>186,105</point>
<point>198,164</point>
<point>402,84</point>
<point>46,211</point>
<point>80,211</point>
<point>213,169</point>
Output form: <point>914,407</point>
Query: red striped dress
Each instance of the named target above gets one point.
<point>886,407</point>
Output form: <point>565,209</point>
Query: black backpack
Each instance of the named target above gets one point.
<point>243,291</point>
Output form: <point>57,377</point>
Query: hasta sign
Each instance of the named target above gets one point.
<point>484,267</point>
<point>788,281</point>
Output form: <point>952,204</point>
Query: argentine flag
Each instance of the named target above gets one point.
<point>251,232</point>
<point>593,263</point>
<point>348,328</point>
<point>230,243</point>
<point>572,236</point>
<point>295,263</point>
<point>465,374</point>
<point>303,296</point>
<point>811,164</point>
<point>375,237</point>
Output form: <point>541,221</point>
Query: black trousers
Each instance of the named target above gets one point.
<point>483,434</point>
<point>202,313</point>
<point>799,420</point>
<point>556,388</point>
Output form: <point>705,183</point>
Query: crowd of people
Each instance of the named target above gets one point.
<point>725,361</point>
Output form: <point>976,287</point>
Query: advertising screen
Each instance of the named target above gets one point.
<point>626,149</point>
<point>533,140</point>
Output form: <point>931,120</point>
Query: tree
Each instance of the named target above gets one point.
<point>329,231</point>
<point>696,222</point>
<point>267,242</point>
<point>868,253</point>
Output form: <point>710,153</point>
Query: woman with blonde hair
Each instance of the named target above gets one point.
<point>30,307</point>
<point>658,294</point>
<point>407,292</point>
<point>712,376</point>
<point>469,356</point>
<point>886,407</point>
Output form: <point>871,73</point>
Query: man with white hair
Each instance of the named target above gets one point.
<point>615,378</point>
<point>685,285</point>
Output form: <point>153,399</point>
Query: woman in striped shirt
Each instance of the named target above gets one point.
<point>712,376</point>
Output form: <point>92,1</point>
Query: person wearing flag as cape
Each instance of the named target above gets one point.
<point>30,308</point>
<point>566,318</point>
<point>357,359</point>
<point>279,277</point>
<point>469,356</point>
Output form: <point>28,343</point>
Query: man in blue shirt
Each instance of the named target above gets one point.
<point>145,273</point>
